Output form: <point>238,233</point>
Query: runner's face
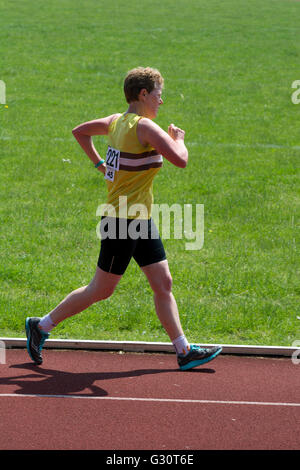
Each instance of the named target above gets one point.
<point>153,101</point>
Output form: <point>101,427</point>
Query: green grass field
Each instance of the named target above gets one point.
<point>228,67</point>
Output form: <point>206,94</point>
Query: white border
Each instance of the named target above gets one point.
<point>144,346</point>
<point>164,400</point>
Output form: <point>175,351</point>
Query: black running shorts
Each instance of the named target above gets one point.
<point>122,239</point>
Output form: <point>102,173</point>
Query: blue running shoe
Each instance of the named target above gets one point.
<point>35,339</point>
<point>197,356</point>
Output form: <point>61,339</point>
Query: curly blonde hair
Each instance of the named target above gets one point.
<point>139,78</point>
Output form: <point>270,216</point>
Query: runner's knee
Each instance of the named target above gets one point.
<point>163,285</point>
<point>104,293</point>
<point>98,293</point>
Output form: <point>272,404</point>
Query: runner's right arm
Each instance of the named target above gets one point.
<point>84,132</point>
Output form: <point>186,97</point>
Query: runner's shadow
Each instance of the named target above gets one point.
<point>56,382</point>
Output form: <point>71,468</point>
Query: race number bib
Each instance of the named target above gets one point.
<point>112,163</point>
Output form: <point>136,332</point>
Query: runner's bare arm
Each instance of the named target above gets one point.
<point>95,127</point>
<point>84,132</point>
<point>170,145</point>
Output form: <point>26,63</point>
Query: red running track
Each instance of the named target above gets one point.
<point>103,400</point>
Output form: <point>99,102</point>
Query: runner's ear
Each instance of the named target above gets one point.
<point>143,93</point>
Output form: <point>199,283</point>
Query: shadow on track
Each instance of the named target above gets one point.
<point>43,381</point>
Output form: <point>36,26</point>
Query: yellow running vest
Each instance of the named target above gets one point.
<point>130,170</point>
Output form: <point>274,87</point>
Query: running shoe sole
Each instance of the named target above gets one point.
<point>28,327</point>
<point>28,334</point>
<point>199,362</point>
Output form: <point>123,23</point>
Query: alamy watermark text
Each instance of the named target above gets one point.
<point>176,221</point>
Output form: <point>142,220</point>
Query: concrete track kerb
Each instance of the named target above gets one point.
<point>149,347</point>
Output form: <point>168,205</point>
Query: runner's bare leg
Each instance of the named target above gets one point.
<point>101,287</point>
<point>159,277</point>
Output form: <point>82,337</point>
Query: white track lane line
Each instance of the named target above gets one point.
<point>199,143</point>
<point>164,400</point>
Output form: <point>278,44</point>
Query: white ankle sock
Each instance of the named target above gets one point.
<point>46,324</point>
<point>181,345</point>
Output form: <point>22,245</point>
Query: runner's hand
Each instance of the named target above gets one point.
<point>175,132</point>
